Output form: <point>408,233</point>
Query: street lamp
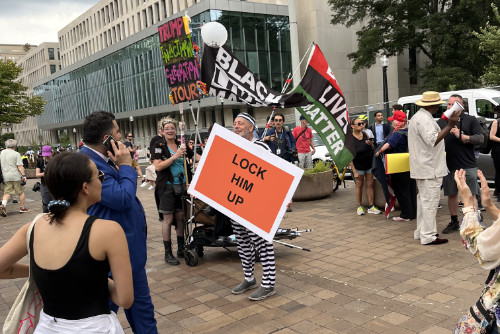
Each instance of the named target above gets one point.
<point>131,119</point>
<point>74,137</point>
<point>385,62</point>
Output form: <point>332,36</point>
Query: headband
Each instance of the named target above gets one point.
<point>248,117</point>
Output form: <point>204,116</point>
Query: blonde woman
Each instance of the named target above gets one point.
<point>168,158</point>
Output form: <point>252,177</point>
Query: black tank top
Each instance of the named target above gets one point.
<point>79,289</point>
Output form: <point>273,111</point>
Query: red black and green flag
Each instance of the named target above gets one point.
<point>327,110</point>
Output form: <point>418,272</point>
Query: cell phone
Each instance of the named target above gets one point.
<point>107,144</point>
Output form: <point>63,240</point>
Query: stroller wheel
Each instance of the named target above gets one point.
<point>191,257</point>
<point>199,251</point>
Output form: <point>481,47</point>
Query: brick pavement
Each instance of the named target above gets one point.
<point>363,275</point>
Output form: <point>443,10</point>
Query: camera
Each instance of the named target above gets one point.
<point>36,187</point>
<point>23,181</point>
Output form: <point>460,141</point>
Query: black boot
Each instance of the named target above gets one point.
<point>169,257</point>
<point>180,247</point>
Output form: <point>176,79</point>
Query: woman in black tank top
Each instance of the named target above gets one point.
<point>71,253</point>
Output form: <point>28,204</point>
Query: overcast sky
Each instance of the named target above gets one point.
<point>37,21</point>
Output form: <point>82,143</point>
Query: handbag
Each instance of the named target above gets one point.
<point>479,320</point>
<point>24,314</point>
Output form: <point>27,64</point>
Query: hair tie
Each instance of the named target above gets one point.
<point>63,203</point>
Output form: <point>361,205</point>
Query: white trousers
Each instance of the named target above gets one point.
<point>99,324</point>
<point>429,192</point>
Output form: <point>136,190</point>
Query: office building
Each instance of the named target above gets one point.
<point>37,64</point>
<point>111,61</point>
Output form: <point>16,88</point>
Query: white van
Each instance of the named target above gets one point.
<point>481,102</point>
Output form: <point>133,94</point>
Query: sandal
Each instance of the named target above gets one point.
<point>399,219</point>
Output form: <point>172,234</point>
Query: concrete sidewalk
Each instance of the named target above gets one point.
<point>364,274</point>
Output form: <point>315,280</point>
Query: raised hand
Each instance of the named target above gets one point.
<point>463,188</point>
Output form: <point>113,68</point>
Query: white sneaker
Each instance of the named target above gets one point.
<point>151,187</point>
<point>360,211</point>
<point>144,184</point>
<point>374,210</point>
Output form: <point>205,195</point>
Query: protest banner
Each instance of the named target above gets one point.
<point>318,96</point>
<point>181,65</point>
<point>228,78</point>
<point>245,182</point>
<point>327,112</point>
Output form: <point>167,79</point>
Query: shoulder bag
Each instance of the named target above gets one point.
<point>24,314</point>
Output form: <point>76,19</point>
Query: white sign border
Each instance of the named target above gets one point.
<point>260,152</point>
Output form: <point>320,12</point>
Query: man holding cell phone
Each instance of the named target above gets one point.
<point>119,202</point>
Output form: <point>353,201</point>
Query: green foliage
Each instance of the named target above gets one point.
<point>443,30</point>
<point>489,43</point>
<point>64,139</point>
<point>319,167</point>
<point>4,137</point>
<point>15,105</point>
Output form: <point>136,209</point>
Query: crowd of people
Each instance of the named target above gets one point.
<point>90,204</point>
<point>436,150</point>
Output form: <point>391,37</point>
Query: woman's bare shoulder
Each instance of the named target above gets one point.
<point>107,226</point>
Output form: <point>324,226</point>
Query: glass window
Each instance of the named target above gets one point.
<point>249,32</point>
<point>275,63</point>
<point>484,108</point>
<point>264,66</point>
<point>253,61</point>
<point>51,53</point>
<point>52,69</point>
<point>215,15</point>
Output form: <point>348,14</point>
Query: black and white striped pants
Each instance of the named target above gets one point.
<point>250,243</point>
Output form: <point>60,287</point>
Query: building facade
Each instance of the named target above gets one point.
<point>111,61</point>
<point>14,52</point>
<point>37,64</point>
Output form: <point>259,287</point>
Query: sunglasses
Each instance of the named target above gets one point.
<point>130,136</point>
<point>359,124</point>
<point>278,120</point>
<point>100,176</point>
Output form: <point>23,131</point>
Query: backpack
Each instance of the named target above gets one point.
<point>485,147</point>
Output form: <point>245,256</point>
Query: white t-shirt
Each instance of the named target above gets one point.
<point>10,159</point>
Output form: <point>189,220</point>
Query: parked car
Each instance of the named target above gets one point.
<point>321,150</point>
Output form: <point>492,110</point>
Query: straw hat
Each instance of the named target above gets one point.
<point>430,99</point>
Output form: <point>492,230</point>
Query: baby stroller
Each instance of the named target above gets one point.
<point>206,227</point>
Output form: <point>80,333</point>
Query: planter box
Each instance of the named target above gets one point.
<point>314,186</point>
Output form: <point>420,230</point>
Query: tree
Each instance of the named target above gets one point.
<point>443,30</point>
<point>15,105</point>
<point>489,44</point>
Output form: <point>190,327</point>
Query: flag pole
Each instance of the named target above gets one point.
<point>285,87</point>
<point>182,127</point>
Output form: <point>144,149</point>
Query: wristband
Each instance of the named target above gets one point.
<point>172,158</point>
<point>23,175</point>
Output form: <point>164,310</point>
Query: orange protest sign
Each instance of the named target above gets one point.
<point>245,182</point>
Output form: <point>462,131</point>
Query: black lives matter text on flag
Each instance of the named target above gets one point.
<point>227,77</point>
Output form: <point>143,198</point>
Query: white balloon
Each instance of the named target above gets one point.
<point>214,34</point>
